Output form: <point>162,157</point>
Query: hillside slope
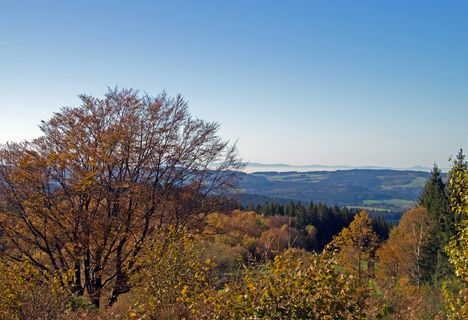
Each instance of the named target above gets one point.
<point>374,189</point>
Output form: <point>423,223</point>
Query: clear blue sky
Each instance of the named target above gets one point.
<point>301,82</point>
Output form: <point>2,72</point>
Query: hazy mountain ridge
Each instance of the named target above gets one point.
<point>253,167</point>
<point>388,189</point>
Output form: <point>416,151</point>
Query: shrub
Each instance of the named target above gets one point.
<point>296,285</point>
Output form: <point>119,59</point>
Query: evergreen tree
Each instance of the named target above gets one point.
<point>381,227</point>
<point>434,261</point>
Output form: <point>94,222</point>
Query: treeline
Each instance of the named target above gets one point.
<point>328,220</point>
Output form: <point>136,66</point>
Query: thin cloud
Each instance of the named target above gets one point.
<point>7,44</point>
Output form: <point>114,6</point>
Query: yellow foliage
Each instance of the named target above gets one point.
<point>171,273</point>
<point>296,285</point>
<point>26,294</point>
<point>399,256</point>
<point>457,249</point>
<point>356,246</point>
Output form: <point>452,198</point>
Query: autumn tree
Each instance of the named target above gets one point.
<point>457,247</point>
<point>276,240</point>
<point>240,229</point>
<point>399,256</point>
<point>102,179</point>
<point>356,246</point>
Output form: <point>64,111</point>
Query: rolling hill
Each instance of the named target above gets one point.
<point>374,189</point>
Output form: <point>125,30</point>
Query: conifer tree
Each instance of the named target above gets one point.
<point>434,261</point>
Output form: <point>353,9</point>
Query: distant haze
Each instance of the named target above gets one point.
<point>261,167</point>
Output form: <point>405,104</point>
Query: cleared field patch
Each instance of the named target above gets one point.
<point>400,203</point>
<point>370,208</point>
<point>417,182</point>
<point>296,177</point>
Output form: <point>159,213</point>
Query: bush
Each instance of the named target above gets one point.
<point>26,294</point>
<point>296,285</point>
<point>78,302</point>
<point>171,273</point>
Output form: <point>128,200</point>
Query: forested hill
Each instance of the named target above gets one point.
<point>393,190</point>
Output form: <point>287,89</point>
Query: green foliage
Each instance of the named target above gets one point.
<point>78,302</point>
<point>434,261</point>
<point>433,194</point>
<point>381,227</point>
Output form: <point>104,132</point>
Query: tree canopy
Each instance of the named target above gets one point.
<point>104,177</point>
<point>356,246</point>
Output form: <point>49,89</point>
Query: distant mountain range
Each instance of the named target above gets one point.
<point>256,166</point>
<point>374,189</point>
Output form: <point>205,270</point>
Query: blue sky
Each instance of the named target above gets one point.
<point>380,83</point>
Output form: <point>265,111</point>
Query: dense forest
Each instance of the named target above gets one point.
<point>122,209</point>
<point>327,220</point>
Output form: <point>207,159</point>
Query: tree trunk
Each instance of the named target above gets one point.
<point>77,286</point>
<point>121,286</point>
<point>96,294</point>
